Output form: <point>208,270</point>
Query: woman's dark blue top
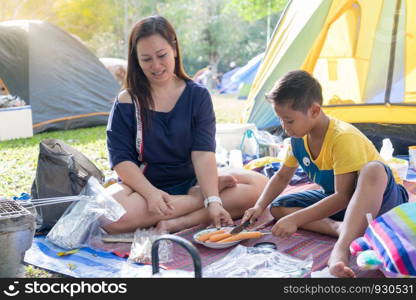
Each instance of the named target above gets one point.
<point>169,141</point>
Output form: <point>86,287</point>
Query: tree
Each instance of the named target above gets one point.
<point>26,9</point>
<point>210,32</point>
<point>212,35</point>
<point>252,10</point>
<point>85,18</point>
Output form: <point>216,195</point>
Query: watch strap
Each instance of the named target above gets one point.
<point>212,199</point>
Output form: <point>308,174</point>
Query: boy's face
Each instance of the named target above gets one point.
<point>295,123</point>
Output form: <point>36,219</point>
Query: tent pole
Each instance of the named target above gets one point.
<point>268,23</point>
<point>126,34</point>
<point>392,52</point>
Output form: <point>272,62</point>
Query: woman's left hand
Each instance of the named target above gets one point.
<point>285,227</point>
<point>219,216</point>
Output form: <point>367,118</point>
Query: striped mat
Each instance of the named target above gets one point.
<point>90,263</point>
<point>300,245</point>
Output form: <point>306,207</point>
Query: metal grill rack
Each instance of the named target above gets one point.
<point>12,209</point>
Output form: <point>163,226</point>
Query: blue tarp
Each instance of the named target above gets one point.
<point>227,86</point>
<point>233,80</point>
<point>82,264</point>
<point>247,73</point>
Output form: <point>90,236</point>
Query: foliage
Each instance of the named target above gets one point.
<point>106,44</point>
<point>85,18</point>
<point>252,10</point>
<point>26,9</point>
<point>204,29</point>
<point>215,32</point>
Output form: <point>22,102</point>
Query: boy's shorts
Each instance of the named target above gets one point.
<point>394,195</point>
<point>181,188</point>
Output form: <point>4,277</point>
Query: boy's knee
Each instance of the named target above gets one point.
<point>278,212</point>
<point>373,171</point>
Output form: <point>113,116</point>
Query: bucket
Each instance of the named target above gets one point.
<point>412,157</point>
<point>17,227</point>
<point>230,135</point>
<point>401,166</point>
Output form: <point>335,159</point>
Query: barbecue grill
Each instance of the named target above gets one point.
<point>17,227</point>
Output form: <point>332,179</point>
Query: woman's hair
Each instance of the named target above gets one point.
<point>136,81</point>
<point>297,88</point>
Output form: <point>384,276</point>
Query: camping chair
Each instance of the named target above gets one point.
<point>185,244</point>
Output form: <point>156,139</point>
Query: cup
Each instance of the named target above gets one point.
<point>412,157</point>
<point>401,167</point>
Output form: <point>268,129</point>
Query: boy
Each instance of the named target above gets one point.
<point>339,158</point>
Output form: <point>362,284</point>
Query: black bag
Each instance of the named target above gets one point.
<point>61,171</point>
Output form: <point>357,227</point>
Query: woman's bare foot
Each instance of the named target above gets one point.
<point>171,225</point>
<point>338,263</point>
<point>226,181</point>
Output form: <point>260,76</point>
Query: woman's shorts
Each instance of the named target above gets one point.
<point>394,195</point>
<point>181,188</point>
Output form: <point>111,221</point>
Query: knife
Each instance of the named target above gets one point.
<point>240,227</point>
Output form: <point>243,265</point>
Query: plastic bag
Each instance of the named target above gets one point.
<point>82,220</point>
<point>221,155</point>
<point>259,143</point>
<point>386,151</point>
<point>142,247</point>
<point>132,271</point>
<point>269,145</point>
<point>401,166</point>
<point>258,262</point>
<point>235,160</point>
<point>249,144</point>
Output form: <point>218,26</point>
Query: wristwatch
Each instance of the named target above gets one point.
<point>212,199</point>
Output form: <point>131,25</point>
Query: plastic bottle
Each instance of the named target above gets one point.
<point>387,150</point>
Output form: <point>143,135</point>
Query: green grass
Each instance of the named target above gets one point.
<point>228,109</point>
<point>18,158</point>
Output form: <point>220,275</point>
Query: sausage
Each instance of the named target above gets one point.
<point>242,236</point>
<point>204,237</point>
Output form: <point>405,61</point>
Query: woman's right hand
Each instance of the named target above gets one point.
<point>219,216</point>
<point>159,203</point>
<point>252,214</point>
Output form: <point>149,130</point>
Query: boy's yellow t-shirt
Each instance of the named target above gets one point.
<point>345,149</point>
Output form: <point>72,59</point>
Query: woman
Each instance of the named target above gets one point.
<point>161,142</point>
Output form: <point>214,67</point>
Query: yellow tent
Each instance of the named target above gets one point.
<point>363,54</point>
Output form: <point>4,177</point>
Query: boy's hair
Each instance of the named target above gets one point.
<point>297,88</point>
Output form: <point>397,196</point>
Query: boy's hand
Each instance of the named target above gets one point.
<point>252,214</point>
<point>285,227</point>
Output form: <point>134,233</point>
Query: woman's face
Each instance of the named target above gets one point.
<point>156,58</point>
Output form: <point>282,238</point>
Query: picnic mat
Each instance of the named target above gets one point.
<point>91,263</point>
<point>300,245</point>
<point>85,263</point>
